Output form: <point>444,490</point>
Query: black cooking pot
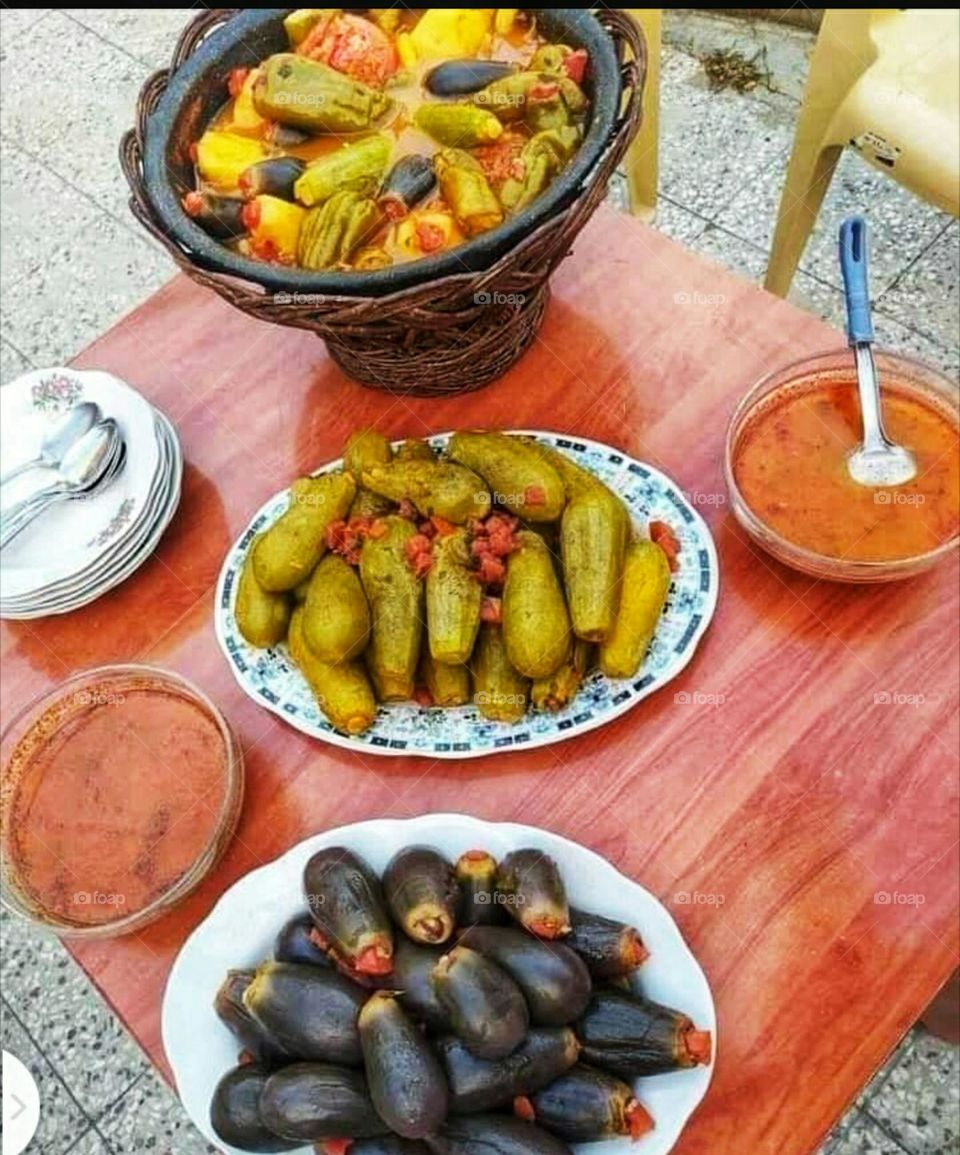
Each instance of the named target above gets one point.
<point>199,89</point>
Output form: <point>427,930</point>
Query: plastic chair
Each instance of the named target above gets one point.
<point>886,82</point>
<point>642,162</point>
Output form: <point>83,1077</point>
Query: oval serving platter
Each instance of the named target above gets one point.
<point>271,679</point>
<point>240,930</point>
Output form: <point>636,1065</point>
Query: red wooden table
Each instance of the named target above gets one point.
<point>797,810</point>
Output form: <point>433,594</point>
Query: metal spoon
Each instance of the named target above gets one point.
<point>90,464</point>
<point>878,461</point>
<point>66,432</point>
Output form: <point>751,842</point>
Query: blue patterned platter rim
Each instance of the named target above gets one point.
<point>271,679</point>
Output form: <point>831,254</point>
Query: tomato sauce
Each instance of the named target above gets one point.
<point>112,798</point>
<point>790,465</point>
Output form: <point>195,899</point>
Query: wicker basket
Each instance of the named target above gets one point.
<point>450,335</point>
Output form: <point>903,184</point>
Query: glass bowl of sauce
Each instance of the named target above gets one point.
<point>120,789</point>
<point>786,469</point>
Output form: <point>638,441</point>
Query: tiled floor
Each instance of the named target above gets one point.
<point>74,261</point>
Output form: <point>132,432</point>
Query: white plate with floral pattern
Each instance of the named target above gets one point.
<point>239,933</point>
<point>82,530</point>
<point>271,679</point>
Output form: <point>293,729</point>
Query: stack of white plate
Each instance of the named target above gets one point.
<point>77,550</point>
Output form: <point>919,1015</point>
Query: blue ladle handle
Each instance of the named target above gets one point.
<point>856,282</point>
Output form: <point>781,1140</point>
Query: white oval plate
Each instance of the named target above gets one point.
<point>121,561</point>
<point>272,680</point>
<point>83,530</point>
<point>240,930</point>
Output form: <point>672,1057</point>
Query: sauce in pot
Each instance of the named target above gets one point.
<point>790,465</point>
<point>111,798</point>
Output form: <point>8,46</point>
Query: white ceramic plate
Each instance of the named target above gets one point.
<point>82,530</point>
<point>271,679</point>
<point>240,930</point>
<point>124,557</point>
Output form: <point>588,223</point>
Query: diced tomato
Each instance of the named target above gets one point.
<point>639,1120</point>
<point>662,535</point>
<point>430,237</point>
<point>250,215</point>
<point>423,565</point>
<point>575,65</point>
<point>265,249</point>
<point>393,208</point>
<point>491,611</point>
<point>378,527</point>
<point>523,1108</point>
<point>419,543</point>
<point>375,960</point>
<point>547,90</point>
<point>318,939</point>
<point>193,204</point>
<point>501,159</point>
<point>238,78</point>
<point>534,495</point>
<point>354,46</point>
<point>492,570</point>
<point>699,1045</point>
<point>428,529</point>
<point>443,527</point>
<point>422,696</point>
<point>245,1058</point>
<point>335,1146</point>
<point>480,546</point>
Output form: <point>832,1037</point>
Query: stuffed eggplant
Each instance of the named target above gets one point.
<point>346,902</point>
<point>554,979</point>
<point>585,1105</point>
<point>422,894</point>
<point>632,1036</point>
<point>486,1007</point>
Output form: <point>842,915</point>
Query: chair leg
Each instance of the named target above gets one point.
<point>842,53</point>
<point>642,162</point>
<point>808,179</point>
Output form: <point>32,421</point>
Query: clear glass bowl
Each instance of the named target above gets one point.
<point>903,373</point>
<point>48,716</point>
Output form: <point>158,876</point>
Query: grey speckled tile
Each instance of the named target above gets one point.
<point>678,222</point>
<point>860,1135</point>
<point>150,38</point>
<point>919,1102</point>
<point>61,1120</point>
<point>713,144</point>
<point>81,290</point>
<point>780,49</point>
<point>12,362</point>
<point>80,1036</point>
<point>150,1118</point>
<point>73,119</point>
<point>901,225</point>
<point>926,297</point>
<point>25,184</point>
<point>15,21</point>
<point>91,1144</point>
